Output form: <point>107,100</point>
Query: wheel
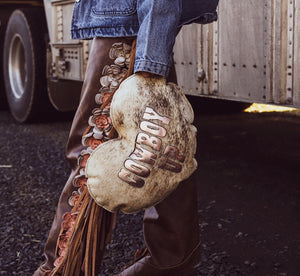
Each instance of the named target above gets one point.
<point>4,16</point>
<point>24,63</point>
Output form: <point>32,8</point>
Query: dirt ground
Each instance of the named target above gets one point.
<point>249,190</point>
<point>248,195</point>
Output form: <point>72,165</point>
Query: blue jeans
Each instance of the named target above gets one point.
<point>155,23</point>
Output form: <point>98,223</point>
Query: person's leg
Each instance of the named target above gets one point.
<point>108,62</point>
<point>171,232</point>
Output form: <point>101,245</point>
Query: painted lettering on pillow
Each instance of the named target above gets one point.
<point>148,146</point>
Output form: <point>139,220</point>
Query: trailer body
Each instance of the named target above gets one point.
<point>251,54</point>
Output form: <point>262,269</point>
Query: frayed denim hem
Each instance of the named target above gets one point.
<point>152,67</point>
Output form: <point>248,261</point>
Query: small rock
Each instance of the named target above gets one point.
<point>253,265</point>
<point>247,262</point>
<point>239,235</point>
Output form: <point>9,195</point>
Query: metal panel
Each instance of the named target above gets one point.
<point>296,90</point>
<point>275,59</point>
<point>186,61</point>
<point>194,59</point>
<point>251,54</point>
<point>284,72</point>
<point>62,13</point>
<point>290,52</point>
<point>232,52</point>
<point>68,57</point>
<point>242,55</point>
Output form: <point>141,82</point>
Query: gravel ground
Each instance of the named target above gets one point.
<point>248,196</point>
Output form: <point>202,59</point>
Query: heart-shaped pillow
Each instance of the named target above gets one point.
<point>155,149</point>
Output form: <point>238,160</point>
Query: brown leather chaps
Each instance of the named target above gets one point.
<point>171,230</point>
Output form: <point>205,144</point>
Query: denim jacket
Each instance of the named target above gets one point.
<point>154,22</point>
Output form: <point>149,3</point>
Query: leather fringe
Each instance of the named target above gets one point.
<point>93,226</point>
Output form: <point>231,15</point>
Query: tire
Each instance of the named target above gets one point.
<point>4,16</point>
<point>24,64</point>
